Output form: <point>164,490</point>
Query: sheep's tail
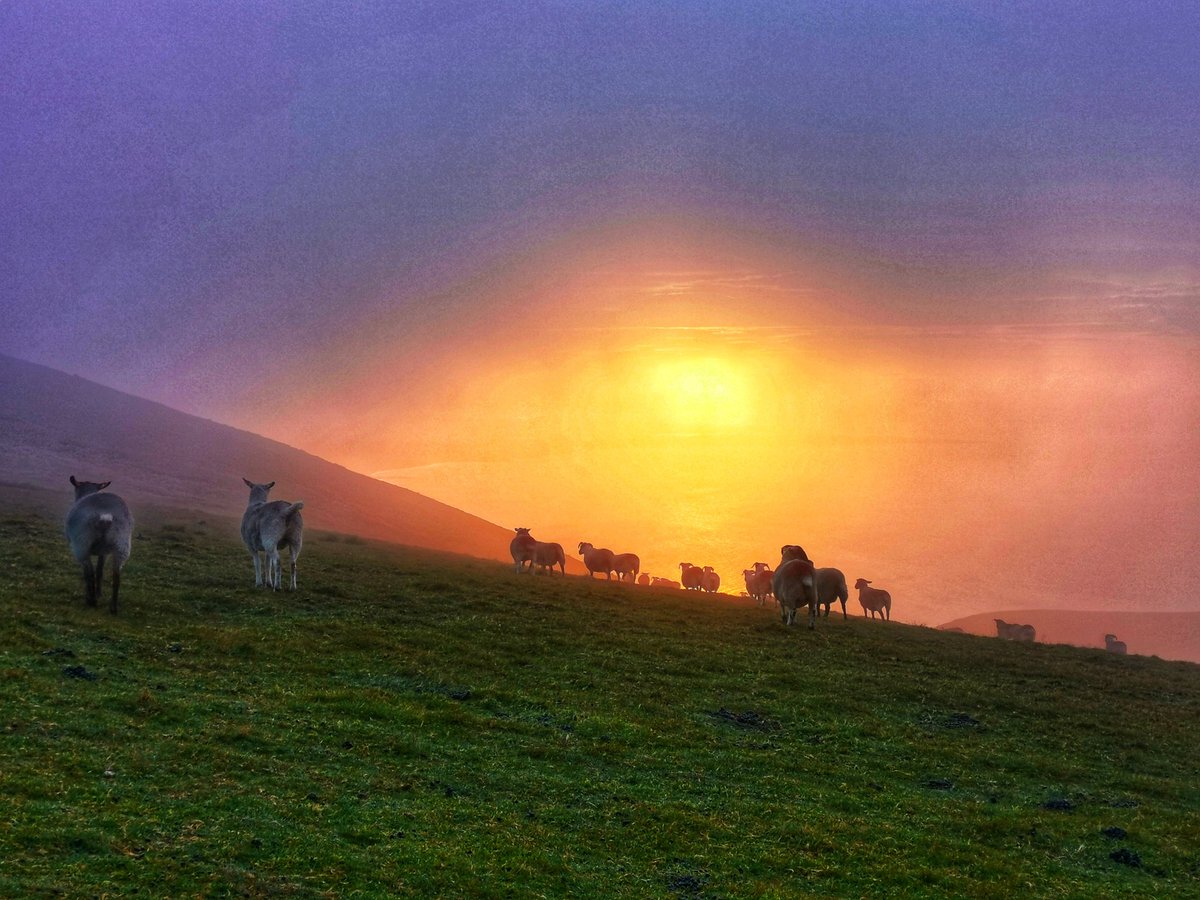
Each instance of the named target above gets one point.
<point>105,520</point>
<point>293,509</point>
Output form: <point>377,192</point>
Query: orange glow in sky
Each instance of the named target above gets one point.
<point>683,416</point>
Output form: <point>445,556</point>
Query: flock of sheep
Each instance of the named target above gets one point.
<point>795,583</point>
<point>100,525</point>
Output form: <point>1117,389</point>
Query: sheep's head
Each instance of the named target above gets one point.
<point>521,530</point>
<point>861,583</point>
<point>83,488</point>
<point>584,547</point>
<point>792,551</point>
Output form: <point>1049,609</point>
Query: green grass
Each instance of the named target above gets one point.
<point>411,723</point>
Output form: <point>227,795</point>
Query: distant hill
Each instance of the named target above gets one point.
<point>1170,635</point>
<point>53,425</point>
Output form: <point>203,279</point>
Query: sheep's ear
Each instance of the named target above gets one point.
<point>74,483</point>
<point>246,481</point>
<point>104,485</point>
<point>270,485</point>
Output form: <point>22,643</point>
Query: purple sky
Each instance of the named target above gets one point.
<point>183,185</point>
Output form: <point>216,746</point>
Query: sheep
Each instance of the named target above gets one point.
<point>266,527</point>
<point>597,559</point>
<point>794,585</point>
<point>664,582</point>
<point>99,525</point>
<point>626,564</point>
<point>690,576</point>
<point>1015,632</point>
<point>547,556</point>
<point>710,581</point>
<point>644,579</point>
<point>831,585</point>
<point>521,548</point>
<point>874,600</point>
<point>758,582</point>
<point>1112,645</point>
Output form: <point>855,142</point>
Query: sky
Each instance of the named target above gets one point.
<point>913,284</point>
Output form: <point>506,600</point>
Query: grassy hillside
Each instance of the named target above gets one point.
<point>419,724</point>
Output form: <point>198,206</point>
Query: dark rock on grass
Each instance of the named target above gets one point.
<point>79,672</point>
<point>684,884</point>
<point>175,648</point>
<point>940,784</point>
<point>1126,857</point>
<point>1115,832</point>
<point>1058,804</point>
<point>748,719</point>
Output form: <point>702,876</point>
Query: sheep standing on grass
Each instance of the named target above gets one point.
<point>597,559</point>
<point>795,584</point>
<point>874,600</point>
<point>627,565</point>
<point>1112,645</point>
<point>521,548</point>
<point>1014,632</point>
<point>831,585</point>
<point>99,525</point>
<point>267,527</point>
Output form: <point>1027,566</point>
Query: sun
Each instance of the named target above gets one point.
<point>709,393</point>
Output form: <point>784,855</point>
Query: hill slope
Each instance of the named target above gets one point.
<point>53,425</point>
<point>415,724</point>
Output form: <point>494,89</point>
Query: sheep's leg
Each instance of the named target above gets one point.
<point>99,576</point>
<point>257,568</point>
<point>89,581</point>
<point>294,568</point>
<point>112,603</point>
<point>273,568</point>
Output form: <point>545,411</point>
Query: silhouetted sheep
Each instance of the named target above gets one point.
<point>626,564</point>
<point>874,600</point>
<point>597,559</point>
<point>794,584</point>
<point>831,585</point>
<point>1015,632</point>
<point>690,576</point>
<point>521,548</point>
<point>1112,645</point>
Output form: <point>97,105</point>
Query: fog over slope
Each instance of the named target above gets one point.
<point>53,425</point>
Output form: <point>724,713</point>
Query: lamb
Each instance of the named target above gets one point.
<point>99,525</point>
<point>597,559</point>
<point>1015,632</point>
<point>644,579</point>
<point>1112,645</point>
<point>267,527</point>
<point>664,582</point>
<point>874,600</point>
<point>626,564</point>
<point>794,584</point>
<point>710,581</point>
